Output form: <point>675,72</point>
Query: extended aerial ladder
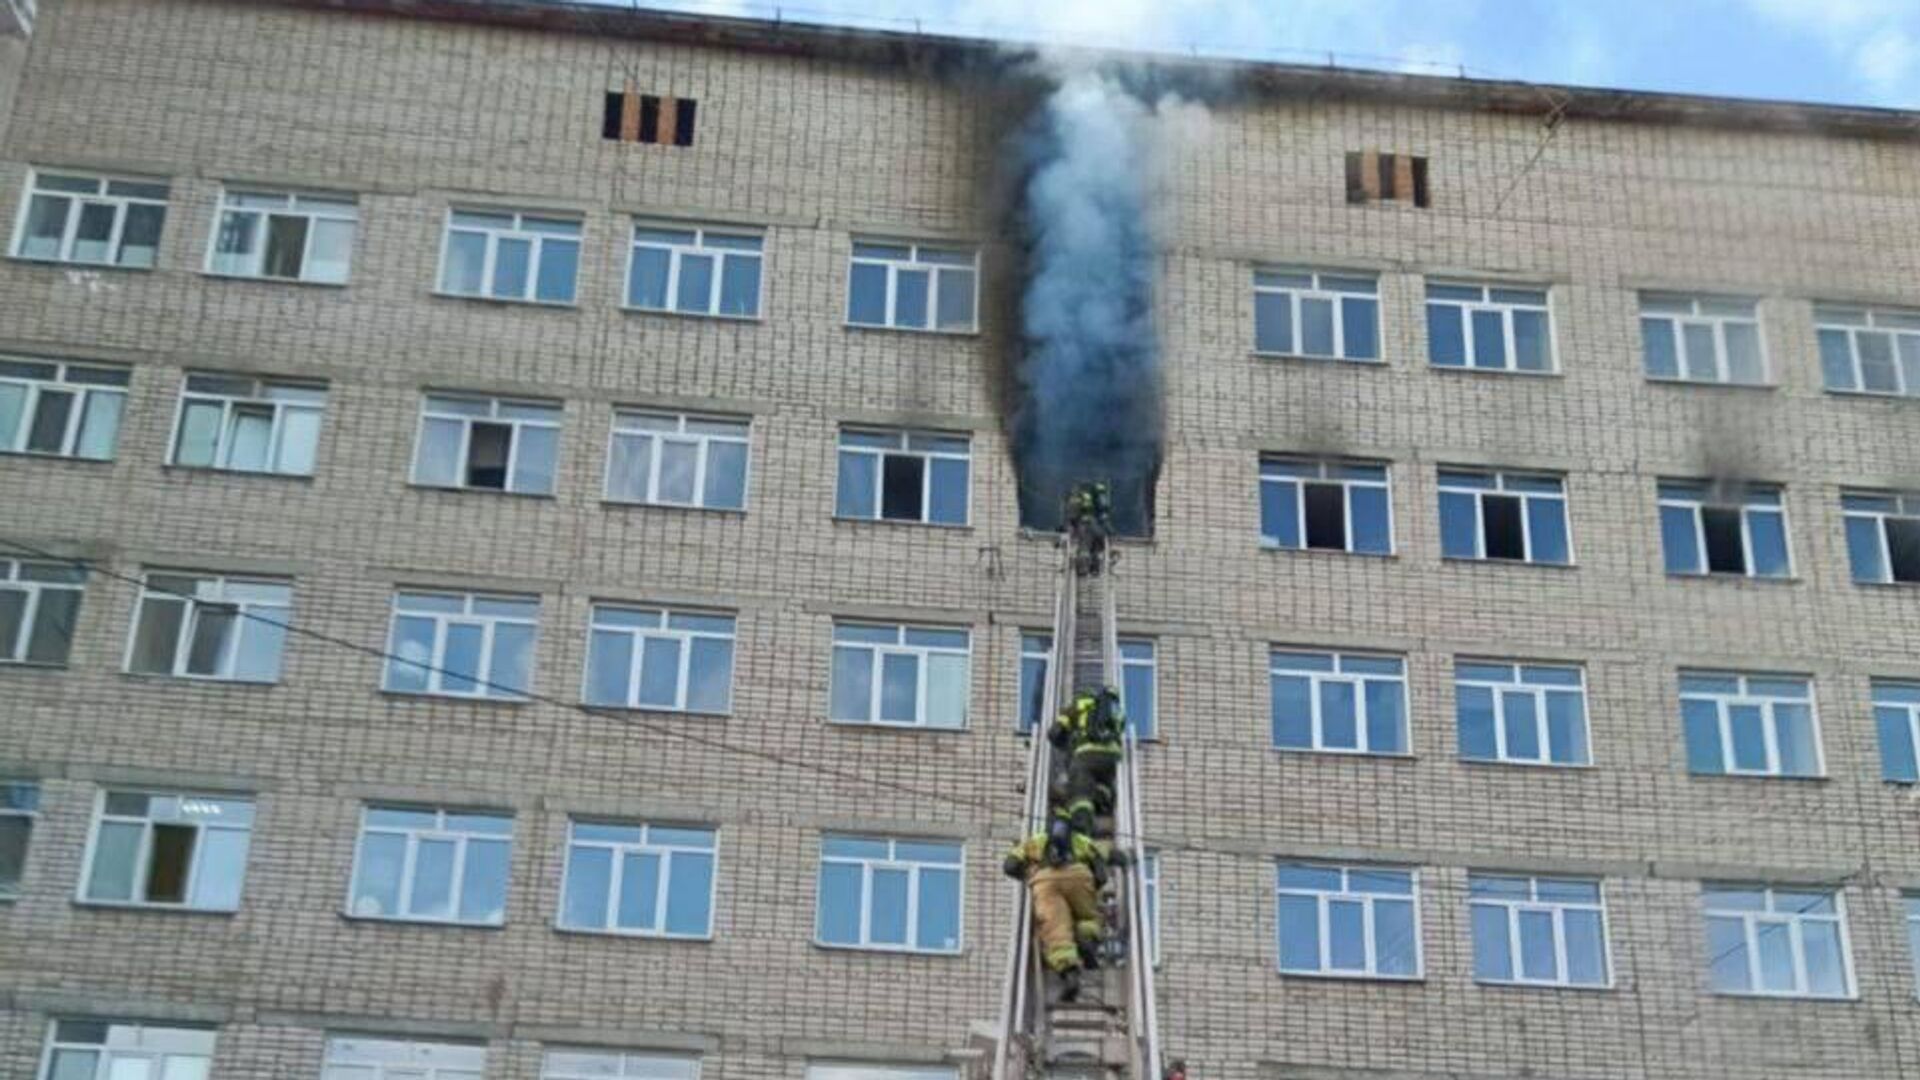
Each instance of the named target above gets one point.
<point>1111,1031</point>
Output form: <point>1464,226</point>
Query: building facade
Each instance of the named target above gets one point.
<point>512,563</point>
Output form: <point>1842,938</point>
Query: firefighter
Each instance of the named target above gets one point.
<point>1089,732</point>
<point>1063,870</point>
<point>1089,523</point>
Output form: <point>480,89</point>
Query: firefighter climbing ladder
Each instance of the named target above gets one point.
<point>1112,1031</point>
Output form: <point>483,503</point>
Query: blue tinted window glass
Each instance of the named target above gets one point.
<point>462,659</point>
<point>859,475</point>
<point>887,920</point>
<point>1547,530</point>
<point>1701,721</point>
<point>1339,727</point>
<point>1346,935</point>
<point>1489,340</point>
<point>696,284</point>
<point>1459,531</point>
<point>1292,712</point>
<point>726,482</point>
<point>1280,512</point>
<point>1663,360</point>
<point>1273,322</point>
<point>1767,534</point>
<point>483,895</point>
<point>1136,692</point>
<point>899,688</point>
<point>511,266</point>
<point>1299,933</point>
<point>1795,739</point>
<point>660,672</point>
<point>589,879</point>
<point>1396,945</point>
<point>1727,956</point>
<point>1863,549</point>
<point>1492,949</point>
<point>1586,948</point>
<point>1446,336</point>
<point>939,914</point>
<point>1836,360</point>
<point>1531,351</point>
<point>689,891</point>
<point>1522,726</point>
<point>1316,327</point>
<point>647,278</point>
<point>948,503</point>
<point>639,892</point>
<point>1475,709</point>
<point>910,298</point>
<point>1360,324</point>
<point>838,919</point>
<point>559,269</point>
<point>867,295</point>
<point>1746,727</point>
<point>1678,540</point>
<point>740,285</point>
<point>1538,956</point>
<point>1566,729</point>
<point>1370,530</point>
<point>609,662</point>
<point>852,684</point>
<point>1896,746</point>
<point>1386,717</point>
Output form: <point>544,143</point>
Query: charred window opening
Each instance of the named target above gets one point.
<point>1326,512</point>
<point>1373,176</point>
<point>610,120</point>
<point>1042,503</point>
<point>1726,554</point>
<point>683,122</point>
<point>1501,526</point>
<point>648,118</point>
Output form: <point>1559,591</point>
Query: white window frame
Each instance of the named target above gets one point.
<point>642,641</point>
<point>1505,309</point>
<point>915,260</point>
<point>158,1044</point>
<point>1155,898</point>
<point>103,195</point>
<point>143,859</point>
<point>702,441</point>
<point>24,808</point>
<point>12,579</point>
<point>1538,691</point>
<point>536,244</point>
<point>315,207</point>
<point>914,869</point>
<point>625,1064</point>
<point>1909,710</point>
<point>495,407</point>
<point>1557,910</point>
<point>1367,900</point>
<point>1717,321</point>
<point>1795,922</point>
<point>283,397</point>
<point>1501,478</point>
<point>904,440</point>
<point>484,687</point>
<point>349,1057</point>
<point>1900,328</point>
<point>1319,290</point>
<point>865,1070</point>
<point>1723,707</point>
<point>1906,506</point>
<point>456,877</point>
<point>210,590</point>
<point>1024,723</point>
<point>1152,666</point>
<point>1328,472</point>
<point>920,654</point>
<point>1746,503</point>
<point>647,845</point>
<point>83,393</point>
<point>1358,680</point>
<point>676,252</point>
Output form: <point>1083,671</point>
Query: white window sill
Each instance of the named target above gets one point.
<point>70,264</point>
<point>402,920</point>
<point>547,496</point>
<point>647,710</point>
<point>1309,358</point>
<point>429,695</point>
<point>634,935</point>
<point>1894,586</point>
<point>262,279</point>
<point>509,301</point>
<point>698,316</point>
<point>1763,777</point>
<point>1355,977</point>
<point>629,504</point>
<point>1519,984</point>
<point>1875,395</point>
<point>1705,384</point>
<point>198,680</point>
<point>908,523</point>
<point>32,665</point>
<point>923,331</point>
<point>36,455</point>
<point>1463,560</point>
<point>140,905</point>
<point>1757,579</point>
<point>1512,763</point>
<point>214,470</point>
<point>1462,369</point>
<point>1351,755</point>
<point>891,950</point>
<point>1756,995</point>
<point>1282,549</point>
<point>878,725</point>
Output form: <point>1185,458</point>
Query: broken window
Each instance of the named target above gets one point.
<point>244,424</point>
<point>1883,535</point>
<point>487,444</point>
<point>893,475</point>
<point>284,236</point>
<point>205,627</point>
<point>462,644</point>
<point>508,255</point>
<point>19,803</point>
<point>1723,529</point>
<point>92,219</point>
<point>1869,351</point>
<point>1488,327</point>
<point>1697,338</point>
<point>901,676</point>
<point>1333,315</point>
<point>648,118</point>
<point>61,410</point>
<point>1330,505</point>
<point>172,850</point>
<point>907,286</point>
<point>1373,176</point>
<point>695,270</point>
<point>1520,517</point>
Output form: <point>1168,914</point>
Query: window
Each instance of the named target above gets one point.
<point>61,410</point>
<point>912,286</point>
<point>1883,536</point>
<point>248,425</point>
<point>850,1071</point>
<point>652,880</point>
<point>39,604</point>
<point>110,1050</point>
<point>1712,339</point>
<point>1524,714</point>
<point>1313,313</point>
<point>877,893</point>
<point>99,221</point>
<point>1519,517</point>
<point>1723,529</point>
<point>1896,711</point>
<point>1866,351</point>
<point>1778,942</point>
<point>903,476</point>
<point>1749,725</point>
<point>648,118</point>
<point>284,236</point>
<point>487,444</point>
<point>1373,175</point>
<point>1150,892</point>
<point>695,270</point>
<point>617,1065</point>
<point>1912,903</point>
<point>648,658</point>
<point>421,864</point>
<point>505,255</point>
<point>1356,921</point>
<point>1139,696</point>
<point>674,459</point>
<point>187,851</point>
<point>1489,328</point>
<point>1538,931</point>
<point>902,676</point>
<point>1348,703</point>
<point>351,1057</point>
<point>462,644</point>
<point>1325,505</point>
<point>19,804</point>
<point>194,626</point>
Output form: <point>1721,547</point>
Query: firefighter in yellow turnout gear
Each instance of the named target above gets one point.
<point>1089,732</point>
<point>1063,869</point>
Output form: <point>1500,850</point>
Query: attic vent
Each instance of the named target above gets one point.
<point>1372,175</point>
<point>648,118</point>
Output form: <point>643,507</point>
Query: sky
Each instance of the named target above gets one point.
<point>1858,52</point>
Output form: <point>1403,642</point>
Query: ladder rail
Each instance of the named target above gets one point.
<point>1142,1013</point>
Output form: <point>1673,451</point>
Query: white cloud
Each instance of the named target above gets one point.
<point>1878,41</point>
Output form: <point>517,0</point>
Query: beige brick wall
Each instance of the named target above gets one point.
<point>415,116</point>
